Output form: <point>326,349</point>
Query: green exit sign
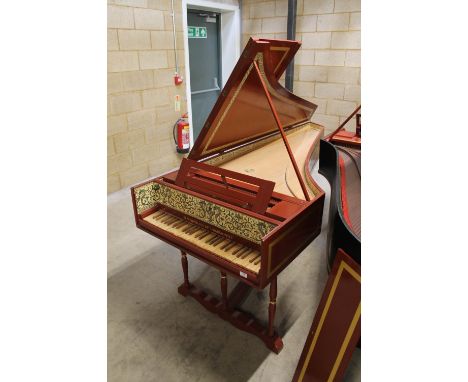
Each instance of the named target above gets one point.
<point>197,32</point>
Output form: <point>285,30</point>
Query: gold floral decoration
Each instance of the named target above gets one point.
<point>237,223</point>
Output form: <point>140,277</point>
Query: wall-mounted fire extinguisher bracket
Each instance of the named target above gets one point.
<point>182,135</point>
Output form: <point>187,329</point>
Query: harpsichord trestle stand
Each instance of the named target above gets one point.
<point>228,309</point>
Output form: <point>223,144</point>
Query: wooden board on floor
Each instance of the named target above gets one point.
<point>336,327</point>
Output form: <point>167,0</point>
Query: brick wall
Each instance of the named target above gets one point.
<point>327,67</point>
<point>141,91</point>
<point>140,87</point>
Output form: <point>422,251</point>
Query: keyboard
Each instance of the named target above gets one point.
<point>213,242</point>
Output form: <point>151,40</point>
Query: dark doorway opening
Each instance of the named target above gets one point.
<point>205,64</point>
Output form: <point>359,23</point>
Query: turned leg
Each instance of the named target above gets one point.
<point>272,307</point>
<point>185,269</point>
<point>224,290</point>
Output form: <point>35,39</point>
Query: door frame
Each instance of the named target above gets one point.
<point>230,42</point>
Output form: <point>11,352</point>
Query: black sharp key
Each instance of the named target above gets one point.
<point>225,245</point>
<point>233,244</point>
<point>210,239</point>
<point>159,215</point>
<point>163,218</point>
<point>255,258</point>
<point>216,239</point>
<point>247,254</point>
<point>178,226</point>
<point>203,235</point>
<point>189,228</point>
<point>243,249</point>
<point>181,224</point>
<point>170,222</point>
<point>169,219</point>
<point>177,222</point>
<point>219,241</point>
<point>193,230</point>
<point>200,233</point>
<point>174,223</point>
<point>242,252</point>
<point>238,249</point>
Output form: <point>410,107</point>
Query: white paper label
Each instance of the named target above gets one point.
<point>244,275</point>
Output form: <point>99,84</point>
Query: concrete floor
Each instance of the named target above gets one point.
<point>154,334</point>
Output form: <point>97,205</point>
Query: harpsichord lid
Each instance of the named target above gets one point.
<point>242,113</point>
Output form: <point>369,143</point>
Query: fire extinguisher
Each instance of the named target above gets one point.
<point>182,135</point>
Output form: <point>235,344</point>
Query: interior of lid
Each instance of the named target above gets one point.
<point>242,112</point>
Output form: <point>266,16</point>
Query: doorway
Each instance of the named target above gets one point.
<point>226,30</point>
<point>205,64</point>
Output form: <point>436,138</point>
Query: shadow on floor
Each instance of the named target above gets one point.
<point>153,331</point>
